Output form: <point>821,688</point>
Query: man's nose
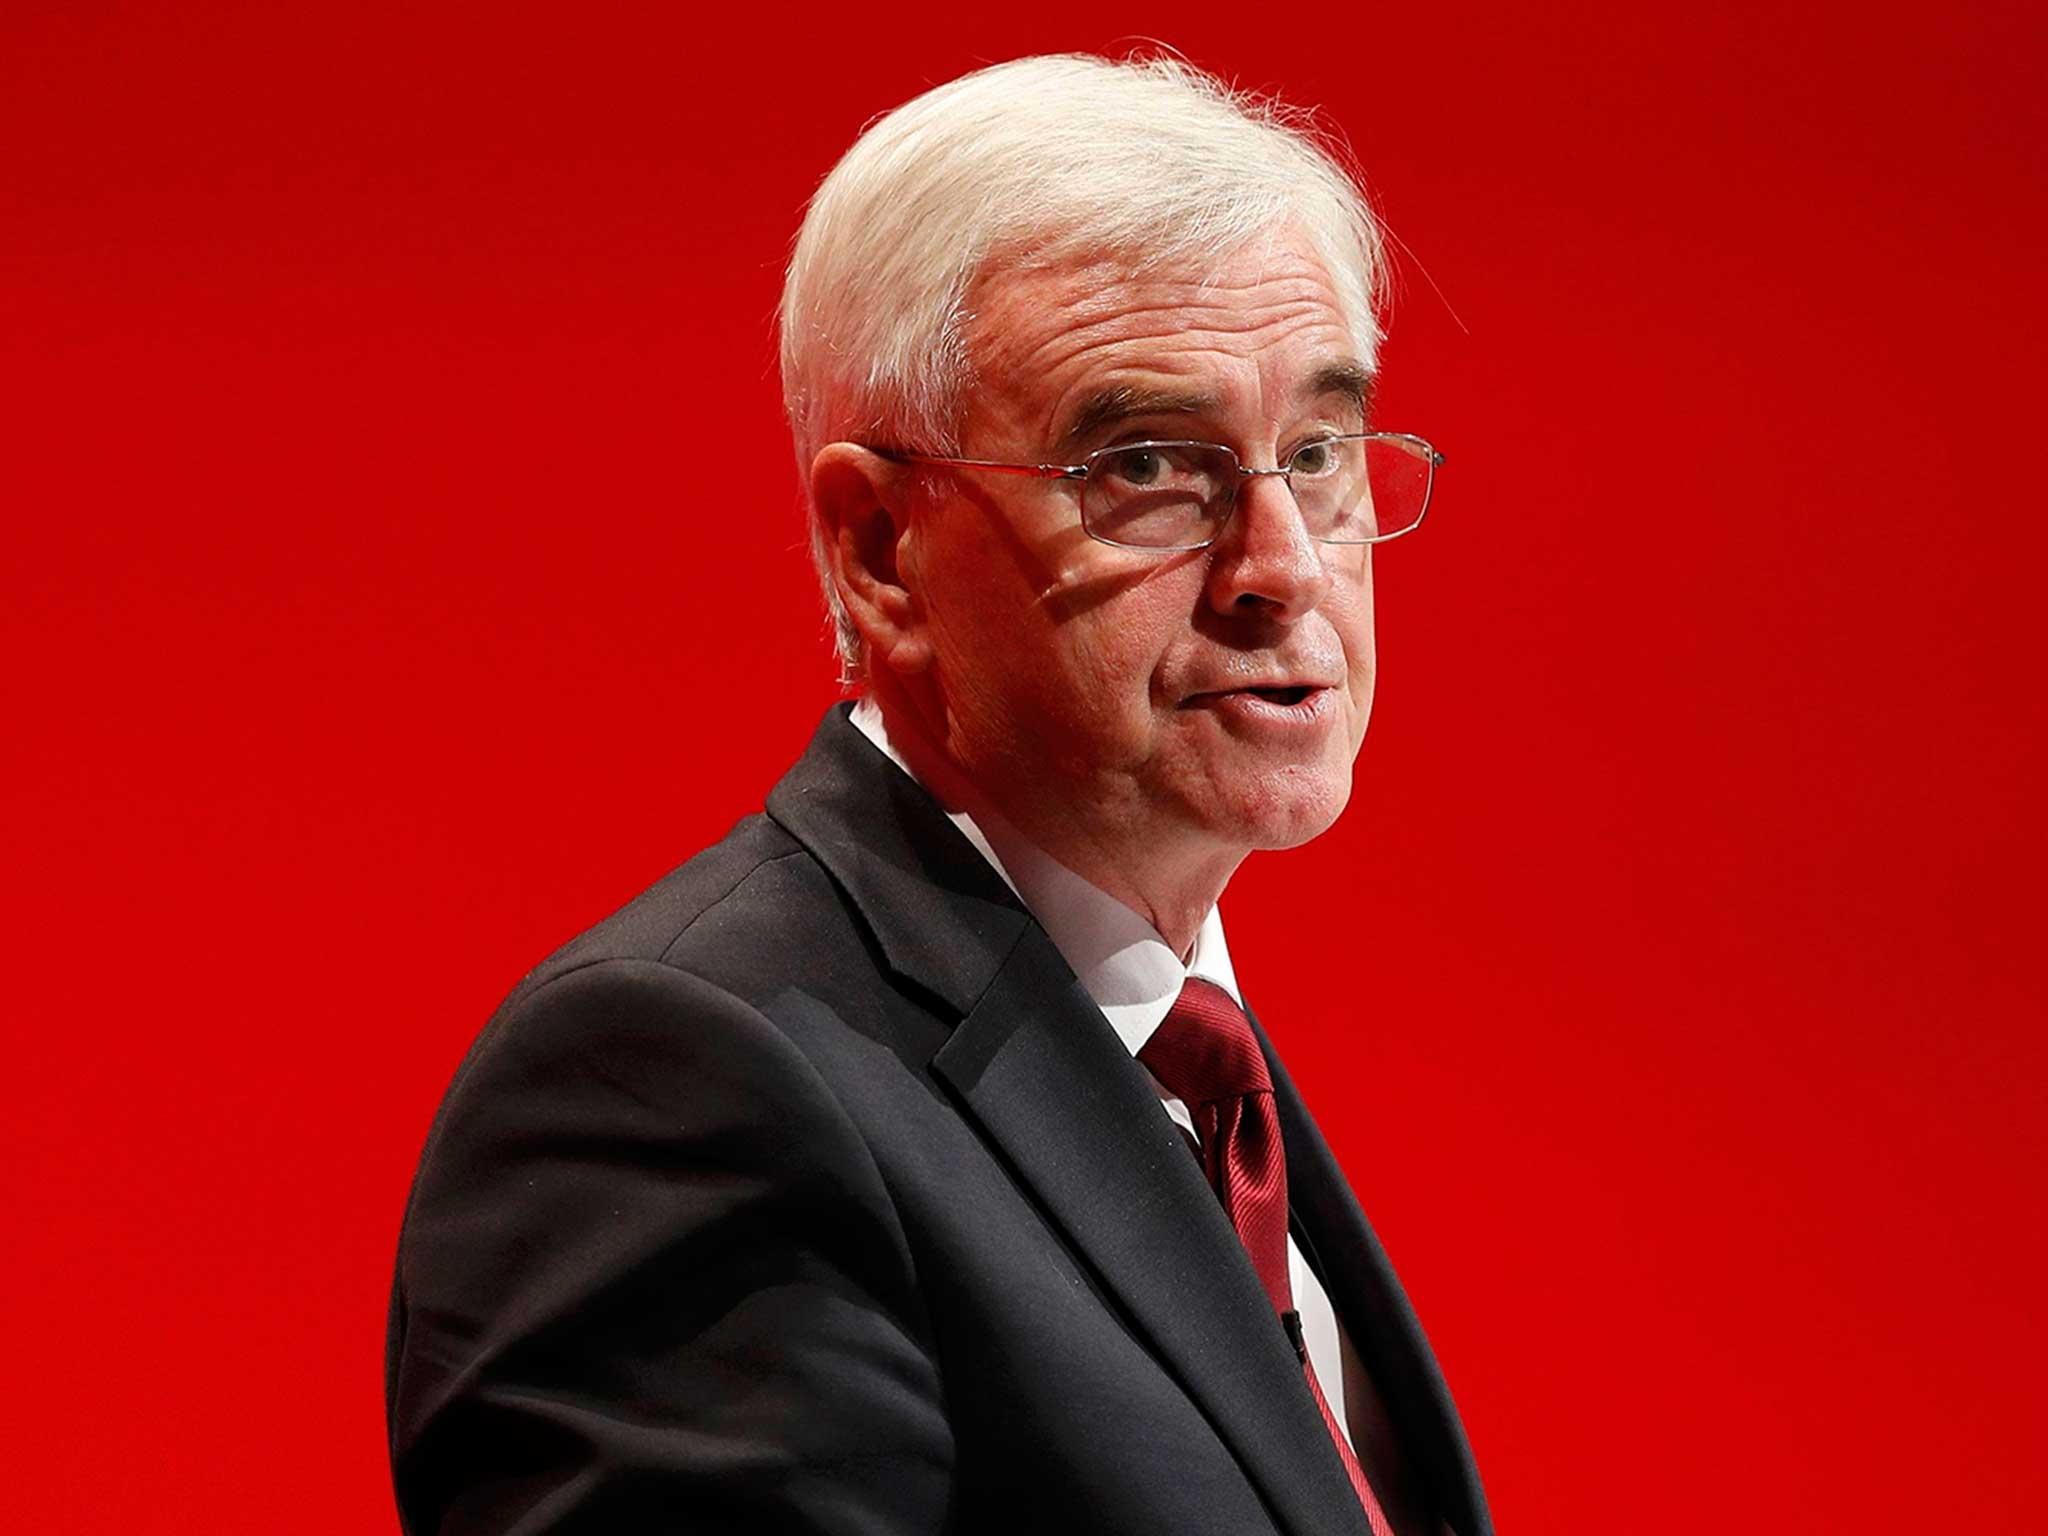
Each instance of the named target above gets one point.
<point>1265,559</point>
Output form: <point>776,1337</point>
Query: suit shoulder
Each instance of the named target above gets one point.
<point>704,961</point>
<point>754,915</point>
<point>653,924</point>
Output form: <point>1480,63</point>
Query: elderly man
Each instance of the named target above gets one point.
<point>842,1182</point>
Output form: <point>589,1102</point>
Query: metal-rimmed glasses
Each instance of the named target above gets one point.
<point>1352,488</point>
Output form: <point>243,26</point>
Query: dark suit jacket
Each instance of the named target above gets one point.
<point>810,1192</point>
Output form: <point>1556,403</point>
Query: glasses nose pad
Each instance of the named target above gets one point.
<point>1243,487</point>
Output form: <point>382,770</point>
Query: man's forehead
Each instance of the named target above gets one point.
<point>1023,302</point>
<point>1098,338</point>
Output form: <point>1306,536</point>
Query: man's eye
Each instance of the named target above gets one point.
<point>1138,466</point>
<point>1314,459</point>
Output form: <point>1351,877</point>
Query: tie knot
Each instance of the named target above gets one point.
<point>1204,1050</point>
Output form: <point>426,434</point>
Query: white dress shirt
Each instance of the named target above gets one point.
<point>1134,977</point>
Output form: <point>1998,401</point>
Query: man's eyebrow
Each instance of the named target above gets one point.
<point>1347,378</point>
<point>1121,402</point>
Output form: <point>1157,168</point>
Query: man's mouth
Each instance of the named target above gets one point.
<point>1281,695</point>
<point>1305,696</point>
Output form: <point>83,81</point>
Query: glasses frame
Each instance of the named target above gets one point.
<point>1431,458</point>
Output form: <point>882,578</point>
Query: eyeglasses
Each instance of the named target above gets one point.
<point>1355,488</point>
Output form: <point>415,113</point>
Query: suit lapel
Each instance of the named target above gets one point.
<point>1035,1066</point>
<point>1376,1314</point>
<point>1048,1082</point>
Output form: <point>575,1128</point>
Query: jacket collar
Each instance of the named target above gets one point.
<point>943,918</point>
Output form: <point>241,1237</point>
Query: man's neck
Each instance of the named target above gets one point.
<point>1174,896</point>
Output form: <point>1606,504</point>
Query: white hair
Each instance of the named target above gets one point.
<point>1148,160</point>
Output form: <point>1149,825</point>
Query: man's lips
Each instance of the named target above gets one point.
<point>1280,715</point>
<point>1284,693</point>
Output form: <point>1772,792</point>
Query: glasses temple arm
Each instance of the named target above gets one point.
<point>1042,471</point>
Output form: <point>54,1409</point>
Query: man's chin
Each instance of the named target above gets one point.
<point>1284,809</point>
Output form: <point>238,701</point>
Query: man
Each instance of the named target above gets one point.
<point>842,1182</point>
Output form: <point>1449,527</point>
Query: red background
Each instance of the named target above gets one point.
<point>402,569</point>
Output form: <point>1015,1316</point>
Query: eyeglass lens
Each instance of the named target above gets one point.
<point>1178,495</point>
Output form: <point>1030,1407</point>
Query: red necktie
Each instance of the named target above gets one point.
<point>1206,1056</point>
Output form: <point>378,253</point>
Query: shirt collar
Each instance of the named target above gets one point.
<point>1120,959</point>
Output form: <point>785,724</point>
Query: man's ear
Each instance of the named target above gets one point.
<point>863,504</point>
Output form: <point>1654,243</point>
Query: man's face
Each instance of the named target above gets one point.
<point>1191,703</point>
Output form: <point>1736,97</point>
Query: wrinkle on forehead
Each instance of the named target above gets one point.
<point>1033,328</point>
<point>1027,312</point>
